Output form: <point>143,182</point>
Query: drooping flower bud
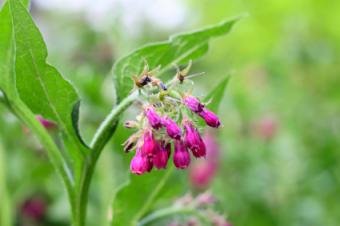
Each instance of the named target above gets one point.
<point>150,144</point>
<point>130,124</point>
<point>140,163</point>
<point>172,129</point>
<point>210,118</point>
<point>200,151</point>
<point>193,104</point>
<point>181,155</point>
<point>149,165</point>
<point>130,142</point>
<point>46,123</point>
<point>161,157</point>
<point>154,119</point>
<point>193,139</point>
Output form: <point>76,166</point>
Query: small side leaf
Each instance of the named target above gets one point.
<point>179,49</point>
<point>214,98</point>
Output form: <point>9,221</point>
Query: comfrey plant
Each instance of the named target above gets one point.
<point>165,121</point>
<point>43,99</point>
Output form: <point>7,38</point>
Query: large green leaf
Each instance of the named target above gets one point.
<point>7,55</point>
<point>179,49</point>
<point>41,87</point>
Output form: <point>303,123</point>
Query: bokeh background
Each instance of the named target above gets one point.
<point>280,142</point>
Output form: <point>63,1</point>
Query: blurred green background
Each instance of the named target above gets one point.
<point>281,113</point>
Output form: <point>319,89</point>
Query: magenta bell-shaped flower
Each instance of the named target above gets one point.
<point>149,143</point>
<point>193,104</point>
<point>200,151</point>
<point>140,163</point>
<point>172,129</point>
<point>210,118</point>
<point>161,157</point>
<point>193,140</point>
<point>192,137</point>
<point>181,156</point>
<point>154,119</point>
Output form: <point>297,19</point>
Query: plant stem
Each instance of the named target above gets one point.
<point>25,114</point>
<point>100,139</point>
<point>152,197</point>
<point>167,212</point>
<point>5,209</point>
<point>106,129</point>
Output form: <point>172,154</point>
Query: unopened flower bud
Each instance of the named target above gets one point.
<point>130,143</point>
<point>193,104</point>
<point>181,155</point>
<point>193,140</point>
<point>154,119</point>
<point>130,124</point>
<point>140,163</point>
<point>150,144</point>
<point>210,118</point>
<point>200,151</point>
<point>172,129</point>
<point>160,159</point>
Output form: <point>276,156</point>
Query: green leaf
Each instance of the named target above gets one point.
<point>139,196</point>
<point>40,86</point>
<point>7,54</point>
<point>179,49</point>
<point>216,95</point>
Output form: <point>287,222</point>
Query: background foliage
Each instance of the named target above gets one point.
<point>283,59</point>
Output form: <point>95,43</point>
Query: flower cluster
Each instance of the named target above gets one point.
<point>168,119</point>
<point>204,205</point>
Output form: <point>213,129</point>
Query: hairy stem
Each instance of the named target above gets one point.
<point>100,139</point>
<point>106,129</point>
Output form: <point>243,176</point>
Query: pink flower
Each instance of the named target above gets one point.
<point>140,164</point>
<point>46,123</point>
<point>172,129</point>
<point>154,119</point>
<point>200,151</point>
<point>267,127</point>
<point>193,139</point>
<point>34,208</point>
<point>161,157</point>
<point>210,118</point>
<point>193,104</point>
<point>202,172</point>
<point>181,156</point>
<point>150,144</point>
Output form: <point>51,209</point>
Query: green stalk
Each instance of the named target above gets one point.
<point>5,208</point>
<point>26,115</point>
<point>100,139</point>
